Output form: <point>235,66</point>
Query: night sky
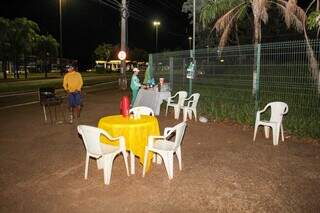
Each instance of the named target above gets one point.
<point>87,23</point>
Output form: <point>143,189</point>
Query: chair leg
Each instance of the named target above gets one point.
<point>275,134</point>
<point>145,161</point>
<point>266,131</point>
<point>45,114</point>
<point>255,131</point>
<point>176,112</point>
<point>195,114</point>
<point>100,163</point>
<point>86,167</point>
<point>178,153</point>
<point>282,136</point>
<point>185,112</point>
<point>125,156</point>
<point>168,162</point>
<point>167,110</point>
<point>132,163</point>
<point>107,168</point>
<point>154,158</point>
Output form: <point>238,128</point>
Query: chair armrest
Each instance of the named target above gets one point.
<point>189,103</point>
<point>166,131</point>
<point>151,140</point>
<point>264,109</point>
<point>187,99</point>
<point>103,132</point>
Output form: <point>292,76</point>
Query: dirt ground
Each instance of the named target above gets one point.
<point>42,169</point>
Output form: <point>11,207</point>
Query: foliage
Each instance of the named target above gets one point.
<point>22,36</point>
<point>4,37</point>
<point>187,7</point>
<point>137,54</point>
<point>313,20</point>
<point>104,52</point>
<point>46,46</point>
<point>226,13</point>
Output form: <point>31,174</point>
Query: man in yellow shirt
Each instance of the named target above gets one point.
<point>72,84</point>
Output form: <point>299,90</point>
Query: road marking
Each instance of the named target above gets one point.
<point>35,102</point>
<point>17,105</point>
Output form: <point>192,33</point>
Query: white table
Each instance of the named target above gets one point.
<point>151,98</point>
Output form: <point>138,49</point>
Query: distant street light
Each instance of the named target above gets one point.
<point>156,24</point>
<point>190,39</point>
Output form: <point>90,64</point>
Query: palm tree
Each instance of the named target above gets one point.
<point>225,14</point>
<point>314,17</point>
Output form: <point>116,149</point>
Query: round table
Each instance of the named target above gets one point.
<point>135,132</point>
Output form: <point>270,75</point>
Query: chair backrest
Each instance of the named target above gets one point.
<point>179,129</point>
<point>142,110</point>
<point>46,93</point>
<point>91,138</point>
<point>195,98</point>
<point>278,109</point>
<point>182,95</point>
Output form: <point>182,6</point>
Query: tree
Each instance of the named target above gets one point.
<point>104,52</point>
<point>44,47</point>
<point>203,33</point>
<point>137,54</point>
<point>22,37</point>
<point>314,16</point>
<point>4,44</point>
<point>225,14</point>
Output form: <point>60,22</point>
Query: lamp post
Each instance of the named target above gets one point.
<point>190,39</point>
<point>60,21</point>
<point>193,45</point>
<point>156,24</point>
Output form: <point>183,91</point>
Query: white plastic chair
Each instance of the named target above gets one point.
<point>278,109</point>
<point>182,95</point>
<point>191,107</point>
<point>104,153</point>
<point>166,148</point>
<point>142,110</point>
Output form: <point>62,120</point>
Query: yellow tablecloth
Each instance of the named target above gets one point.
<point>136,132</point>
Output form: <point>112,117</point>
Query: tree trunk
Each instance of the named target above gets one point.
<point>4,68</point>
<point>25,67</point>
<point>318,6</point>
<point>15,68</point>
<point>257,40</point>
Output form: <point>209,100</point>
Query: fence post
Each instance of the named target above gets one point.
<point>171,72</point>
<point>256,75</point>
<point>183,72</point>
<point>150,63</point>
<point>192,53</point>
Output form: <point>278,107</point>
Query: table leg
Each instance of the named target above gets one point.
<point>132,166</point>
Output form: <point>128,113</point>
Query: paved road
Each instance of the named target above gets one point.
<point>8,100</point>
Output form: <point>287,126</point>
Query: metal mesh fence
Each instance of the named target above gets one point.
<point>225,81</point>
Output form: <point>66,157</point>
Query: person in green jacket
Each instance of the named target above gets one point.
<point>135,85</point>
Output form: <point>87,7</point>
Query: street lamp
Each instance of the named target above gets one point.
<point>156,24</point>
<point>60,16</point>
<point>190,39</point>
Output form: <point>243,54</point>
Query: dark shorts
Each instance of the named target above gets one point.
<point>74,99</point>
